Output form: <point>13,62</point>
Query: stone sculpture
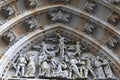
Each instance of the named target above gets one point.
<point>30,24</point>
<point>77,65</point>
<point>30,66</point>
<point>112,42</point>
<point>20,65</point>
<point>114,19</point>
<point>31,3</point>
<point>62,47</point>
<point>99,68</point>
<point>60,16</point>
<point>9,37</point>
<point>78,49</point>
<point>8,11</point>
<point>89,28</point>
<point>89,7</point>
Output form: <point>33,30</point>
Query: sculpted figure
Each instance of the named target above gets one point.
<point>30,24</point>
<point>9,37</point>
<point>44,67</point>
<point>78,50</point>
<point>83,69</point>
<point>21,64</point>
<point>60,72</point>
<point>62,47</point>
<point>111,42</point>
<point>90,68</point>
<point>73,67</point>
<point>31,66</point>
<point>8,11</point>
<point>99,68</point>
<point>89,7</point>
<point>107,69</point>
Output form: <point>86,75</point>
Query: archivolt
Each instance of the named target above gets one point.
<point>31,37</point>
<point>35,11</point>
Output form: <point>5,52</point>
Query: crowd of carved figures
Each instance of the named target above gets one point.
<point>60,63</point>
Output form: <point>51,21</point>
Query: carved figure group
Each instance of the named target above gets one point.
<point>62,64</point>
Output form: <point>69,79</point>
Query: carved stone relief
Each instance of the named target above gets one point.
<point>89,28</point>
<point>9,37</point>
<point>56,58</point>
<point>30,24</point>
<point>59,16</point>
<point>30,3</point>
<point>114,18</point>
<point>8,11</point>
<point>90,6</point>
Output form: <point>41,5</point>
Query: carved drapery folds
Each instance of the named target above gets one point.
<point>8,11</point>
<point>9,37</point>
<point>59,16</point>
<point>57,58</point>
<point>90,6</point>
<point>30,24</point>
<point>114,18</point>
<point>65,1</point>
<point>30,3</point>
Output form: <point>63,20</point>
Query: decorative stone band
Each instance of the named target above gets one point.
<point>73,10</point>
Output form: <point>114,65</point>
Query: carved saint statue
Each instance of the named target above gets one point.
<point>31,66</point>
<point>62,47</point>
<point>89,67</point>
<point>73,67</point>
<point>44,66</point>
<point>21,63</point>
<point>99,68</point>
<point>107,69</point>
<point>78,50</point>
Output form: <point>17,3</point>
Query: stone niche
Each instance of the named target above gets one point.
<point>57,57</point>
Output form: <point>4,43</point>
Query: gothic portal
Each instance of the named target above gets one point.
<point>59,40</point>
